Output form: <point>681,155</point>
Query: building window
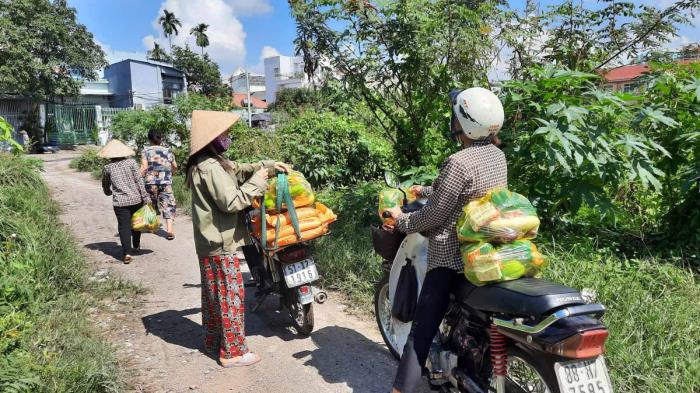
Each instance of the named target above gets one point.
<point>276,70</point>
<point>631,87</point>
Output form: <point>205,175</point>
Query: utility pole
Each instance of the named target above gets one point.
<point>247,83</point>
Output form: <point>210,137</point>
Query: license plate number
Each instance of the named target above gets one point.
<point>300,273</point>
<point>583,376</point>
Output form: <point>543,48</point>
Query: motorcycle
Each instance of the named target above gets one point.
<point>525,335</point>
<point>288,272</point>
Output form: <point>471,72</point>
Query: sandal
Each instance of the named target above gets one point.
<point>248,359</point>
<point>127,259</point>
<point>171,236</point>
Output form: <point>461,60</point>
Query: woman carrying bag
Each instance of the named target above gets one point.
<point>221,190</point>
<point>121,179</point>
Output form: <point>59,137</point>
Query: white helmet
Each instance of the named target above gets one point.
<point>479,112</point>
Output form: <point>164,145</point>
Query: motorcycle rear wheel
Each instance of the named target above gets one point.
<point>302,316</point>
<point>529,374</point>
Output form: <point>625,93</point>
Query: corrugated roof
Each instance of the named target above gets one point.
<point>240,99</point>
<point>626,73</point>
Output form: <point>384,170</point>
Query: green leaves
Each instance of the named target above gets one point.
<point>6,136</point>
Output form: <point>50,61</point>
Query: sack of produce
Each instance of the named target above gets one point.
<point>392,197</point>
<point>299,188</point>
<point>500,216</point>
<point>145,220</point>
<point>287,224</point>
<point>485,264</point>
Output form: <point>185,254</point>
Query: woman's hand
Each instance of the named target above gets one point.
<point>395,212</point>
<point>417,190</point>
<point>263,173</point>
<point>282,167</point>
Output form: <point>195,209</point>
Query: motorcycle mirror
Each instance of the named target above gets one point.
<point>392,179</point>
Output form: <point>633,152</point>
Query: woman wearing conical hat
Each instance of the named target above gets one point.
<point>121,179</point>
<point>221,190</point>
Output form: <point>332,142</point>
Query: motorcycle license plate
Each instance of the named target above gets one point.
<point>300,273</point>
<point>583,376</point>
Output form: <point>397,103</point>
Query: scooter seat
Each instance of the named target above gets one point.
<point>525,297</point>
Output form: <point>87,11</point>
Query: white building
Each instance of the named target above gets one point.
<point>283,72</point>
<point>238,83</point>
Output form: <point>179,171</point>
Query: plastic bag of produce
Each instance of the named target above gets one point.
<point>392,197</point>
<point>484,263</point>
<point>299,188</point>
<point>500,216</point>
<point>145,220</point>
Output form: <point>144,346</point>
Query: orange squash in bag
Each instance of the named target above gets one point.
<point>288,230</point>
<point>305,236</point>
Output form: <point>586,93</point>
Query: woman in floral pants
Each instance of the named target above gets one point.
<point>221,191</point>
<point>222,306</point>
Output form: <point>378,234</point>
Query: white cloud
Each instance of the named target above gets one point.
<point>267,51</point>
<point>226,33</point>
<point>114,56</point>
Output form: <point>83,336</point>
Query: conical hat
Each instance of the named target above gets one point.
<point>115,149</point>
<point>207,125</point>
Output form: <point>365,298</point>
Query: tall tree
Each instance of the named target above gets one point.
<point>44,65</point>
<point>44,51</point>
<point>202,73</point>
<point>169,23</point>
<point>157,53</point>
<point>401,58</point>
<point>199,33</point>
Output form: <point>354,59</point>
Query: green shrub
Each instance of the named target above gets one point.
<point>89,161</point>
<point>47,343</point>
<point>333,150</point>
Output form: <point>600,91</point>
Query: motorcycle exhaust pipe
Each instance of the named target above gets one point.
<point>466,382</point>
<point>320,297</point>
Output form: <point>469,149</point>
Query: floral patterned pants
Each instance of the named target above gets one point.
<point>223,311</point>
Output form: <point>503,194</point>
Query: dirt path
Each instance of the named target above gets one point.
<point>162,337</point>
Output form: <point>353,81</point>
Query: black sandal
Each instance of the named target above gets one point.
<point>171,236</point>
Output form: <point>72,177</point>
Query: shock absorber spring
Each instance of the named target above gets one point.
<point>499,357</point>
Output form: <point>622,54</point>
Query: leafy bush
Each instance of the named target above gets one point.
<point>567,142</point>
<point>252,144</point>
<point>47,344</point>
<point>133,126</point>
<point>89,161</point>
<point>332,150</point>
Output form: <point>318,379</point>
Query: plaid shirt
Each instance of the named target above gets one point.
<point>122,180</point>
<point>465,176</point>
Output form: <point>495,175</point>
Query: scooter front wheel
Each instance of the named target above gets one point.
<point>387,325</point>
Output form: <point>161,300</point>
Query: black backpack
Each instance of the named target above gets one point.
<point>406,296</point>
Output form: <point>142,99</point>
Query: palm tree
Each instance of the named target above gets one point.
<point>157,53</point>
<point>169,22</point>
<point>199,34</point>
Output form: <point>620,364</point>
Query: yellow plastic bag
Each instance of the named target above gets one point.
<point>146,219</point>
<point>392,197</point>
<point>485,264</point>
<point>299,188</point>
<point>500,216</point>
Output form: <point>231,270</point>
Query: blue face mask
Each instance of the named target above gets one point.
<point>221,143</point>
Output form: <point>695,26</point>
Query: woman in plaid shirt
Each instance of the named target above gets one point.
<point>121,179</point>
<point>477,116</point>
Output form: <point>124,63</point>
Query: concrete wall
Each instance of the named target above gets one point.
<point>282,72</point>
<point>146,84</point>
<point>119,76</point>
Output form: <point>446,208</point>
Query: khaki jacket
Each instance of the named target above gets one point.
<point>218,200</point>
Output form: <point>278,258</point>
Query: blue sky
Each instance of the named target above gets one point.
<point>241,32</point>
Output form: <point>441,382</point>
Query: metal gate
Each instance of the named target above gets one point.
<point>71,124</point>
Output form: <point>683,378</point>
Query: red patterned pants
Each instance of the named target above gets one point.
<point>223,311</point>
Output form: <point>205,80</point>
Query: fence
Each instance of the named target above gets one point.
<point>71,125</point>
<point>107,116</point>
